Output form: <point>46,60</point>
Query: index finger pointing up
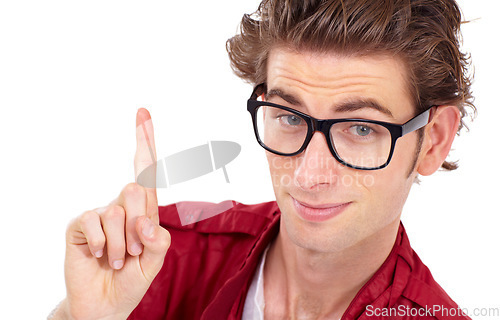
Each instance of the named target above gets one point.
<point>145,159</point>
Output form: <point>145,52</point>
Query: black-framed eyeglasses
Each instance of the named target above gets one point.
<point>356,143</point>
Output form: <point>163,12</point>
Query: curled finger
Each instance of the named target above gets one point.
<point>113,223</point>
<point>90,225</point>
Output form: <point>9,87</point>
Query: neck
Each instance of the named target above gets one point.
<point>318,284</point>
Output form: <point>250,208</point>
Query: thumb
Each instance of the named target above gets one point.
<point>156,241</point>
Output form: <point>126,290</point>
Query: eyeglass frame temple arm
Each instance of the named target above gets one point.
<point>418,122</point>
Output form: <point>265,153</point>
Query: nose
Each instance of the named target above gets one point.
<point>317,169</point>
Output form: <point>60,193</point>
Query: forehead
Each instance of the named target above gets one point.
<point>317,80</point>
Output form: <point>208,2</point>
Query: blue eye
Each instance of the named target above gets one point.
<point>293,120</point>
<point>363,131</point>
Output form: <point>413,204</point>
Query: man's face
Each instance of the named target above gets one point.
<point>326,206</point>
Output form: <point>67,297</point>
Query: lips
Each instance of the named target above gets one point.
<point>319,212</point>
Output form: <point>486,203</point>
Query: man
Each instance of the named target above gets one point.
<point>352,100</point>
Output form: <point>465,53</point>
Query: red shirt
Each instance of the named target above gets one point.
<point>210,265</point>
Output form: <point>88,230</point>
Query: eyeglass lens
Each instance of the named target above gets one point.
<point>358,143</point>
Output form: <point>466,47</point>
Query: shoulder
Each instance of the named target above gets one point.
<point>422,292</point>
<point>404,288</point>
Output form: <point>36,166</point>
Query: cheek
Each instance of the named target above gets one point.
<point>281,170</point>
<point>405,154</point>
<point>390,186</point>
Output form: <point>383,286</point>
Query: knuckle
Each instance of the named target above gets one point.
<point>96,243</point>
<point>134,190</point>
<point>165,240</point>
<point>86,217</point>
<point>71,226</point>
<point>114,212</point>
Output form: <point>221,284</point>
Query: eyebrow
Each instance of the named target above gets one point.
<point>287,97</point>
<point>349,106</point>
<point>363,104</point>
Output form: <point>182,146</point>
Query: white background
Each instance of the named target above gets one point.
<point>72,75</point>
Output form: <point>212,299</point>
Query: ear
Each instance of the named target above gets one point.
<point>438,138</point>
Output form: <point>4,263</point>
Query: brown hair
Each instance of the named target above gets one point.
<point>425,34</point>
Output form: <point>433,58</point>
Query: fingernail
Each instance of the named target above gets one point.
<point>148,228</point>
<point>136,249</point>
<point>99,253</point>
<point>117,264</point>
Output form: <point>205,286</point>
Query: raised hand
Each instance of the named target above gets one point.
<point>114,253</point>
